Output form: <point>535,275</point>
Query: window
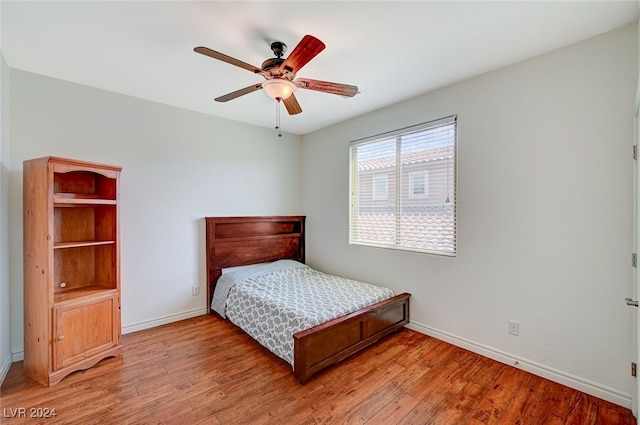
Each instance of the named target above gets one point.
<point>381,187</point>
<point>403,189</point>
<point>419,184</point>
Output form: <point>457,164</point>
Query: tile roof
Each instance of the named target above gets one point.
<point>446,152</point>
<point>434,230</point>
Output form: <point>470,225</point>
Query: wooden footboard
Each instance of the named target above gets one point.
<point>333,341</point>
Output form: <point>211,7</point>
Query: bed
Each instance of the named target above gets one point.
<point>232,242</point>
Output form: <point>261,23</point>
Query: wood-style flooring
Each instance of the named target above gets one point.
<point>206,371</point>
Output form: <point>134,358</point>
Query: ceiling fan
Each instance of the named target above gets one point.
<point>280,74</point>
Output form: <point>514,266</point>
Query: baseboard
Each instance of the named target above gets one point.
<point>152,323</point>
<point>575,382</point>
<point>4,368</point>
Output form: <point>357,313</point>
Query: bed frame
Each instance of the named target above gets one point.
<point>237,241</point>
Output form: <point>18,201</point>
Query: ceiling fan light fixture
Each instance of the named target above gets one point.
<point>278,88</point>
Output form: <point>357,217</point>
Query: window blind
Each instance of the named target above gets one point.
<point>403,189</point>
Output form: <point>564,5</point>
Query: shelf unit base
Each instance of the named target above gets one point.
<point>57,376</point>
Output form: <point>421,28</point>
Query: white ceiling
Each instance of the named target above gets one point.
<point>391,50</point>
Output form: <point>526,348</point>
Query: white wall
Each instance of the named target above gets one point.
<point>178,167</point>
<point>544,218</point>
<point>5,319</point>
<point>5,328</point>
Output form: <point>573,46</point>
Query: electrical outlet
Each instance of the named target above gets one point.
<point>195,290</point>
<point>514,328</point>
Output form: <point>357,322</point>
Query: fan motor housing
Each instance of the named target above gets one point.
<point>272,63</point>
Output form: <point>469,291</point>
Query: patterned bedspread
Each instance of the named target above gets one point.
<point>271,302</point>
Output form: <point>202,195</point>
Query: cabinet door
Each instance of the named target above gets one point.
<point>84,329</point>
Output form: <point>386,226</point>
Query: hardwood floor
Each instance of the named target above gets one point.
<point>206,371</point>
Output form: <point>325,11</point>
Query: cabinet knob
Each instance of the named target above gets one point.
<point>61,338</point>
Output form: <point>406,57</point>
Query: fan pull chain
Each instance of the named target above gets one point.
<point>278,117</point>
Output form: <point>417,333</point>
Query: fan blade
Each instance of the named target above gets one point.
<point>292,105</point>
<point>238,93</point>
<point>306,50</point>
<point>326,87</point>
<point>228,59</point>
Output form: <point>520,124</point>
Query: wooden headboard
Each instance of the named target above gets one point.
<point>239,241</point>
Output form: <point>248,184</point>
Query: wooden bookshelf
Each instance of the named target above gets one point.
<point>71,266</point>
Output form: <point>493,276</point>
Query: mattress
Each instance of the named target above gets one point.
<point>273,301</point>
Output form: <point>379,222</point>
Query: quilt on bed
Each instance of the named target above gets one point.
<point>271,302</point>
